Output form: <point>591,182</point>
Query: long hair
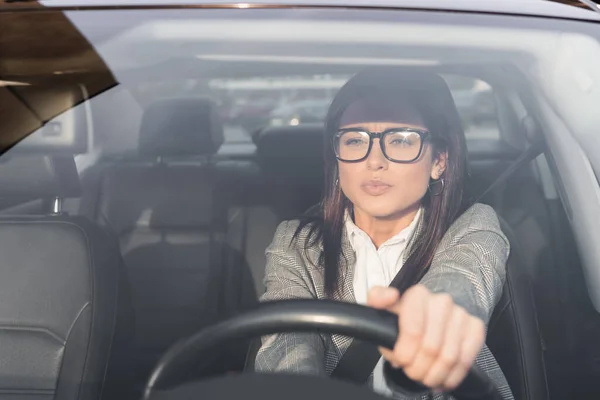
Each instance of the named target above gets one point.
<point>432,99</point>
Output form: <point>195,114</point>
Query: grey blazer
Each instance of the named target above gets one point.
<point>469,264</point>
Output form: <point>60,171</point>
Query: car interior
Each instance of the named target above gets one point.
<point>191,224</point>
<point>160,219</point>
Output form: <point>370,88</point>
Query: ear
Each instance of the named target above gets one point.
<point>439,165</point>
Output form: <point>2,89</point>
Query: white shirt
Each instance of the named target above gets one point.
<point>377,267</point>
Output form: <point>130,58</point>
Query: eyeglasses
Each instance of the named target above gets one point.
<point>400,145</point>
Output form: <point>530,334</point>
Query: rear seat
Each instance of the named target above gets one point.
<point>291,164</point>
<point>288,182</point>
<point>168,208</point>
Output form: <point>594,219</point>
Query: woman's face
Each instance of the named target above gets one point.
<point>384,189</point>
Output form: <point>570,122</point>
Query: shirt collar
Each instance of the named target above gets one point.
<point>354,232</point>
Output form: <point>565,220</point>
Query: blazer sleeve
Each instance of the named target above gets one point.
<point>470,262</point>
<point>287,277</point>
<point>470,266</point>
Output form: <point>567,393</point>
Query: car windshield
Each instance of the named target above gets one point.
<point>179,139</point>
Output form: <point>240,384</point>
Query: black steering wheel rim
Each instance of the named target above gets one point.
<point>375,326</point>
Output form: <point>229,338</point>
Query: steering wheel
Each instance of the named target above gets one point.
<point>378,327</point>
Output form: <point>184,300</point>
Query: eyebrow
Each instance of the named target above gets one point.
<point>362,128</point>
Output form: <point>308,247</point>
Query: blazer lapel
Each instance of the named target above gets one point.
<point>346,277</point>
<point>345,291</point>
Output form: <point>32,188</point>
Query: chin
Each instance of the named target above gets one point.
<point>388,215</point>
<point>382,212</point>
<point>385,210</point>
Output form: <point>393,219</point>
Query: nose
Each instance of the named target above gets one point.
<point>376,160</point>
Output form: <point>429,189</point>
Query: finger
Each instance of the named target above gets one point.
<point>449,354</point>
<point>438,311</point>
<point>411,325</point>
<point>389,356</point>
<point>413,313</point>
<point>471,346</point>
<point>382,297</point>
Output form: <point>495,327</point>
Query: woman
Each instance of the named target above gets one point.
<point>394,209</point>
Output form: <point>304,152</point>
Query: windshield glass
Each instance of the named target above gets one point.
<point>182,138</point>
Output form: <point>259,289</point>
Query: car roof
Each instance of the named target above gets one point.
<point>565,9</point>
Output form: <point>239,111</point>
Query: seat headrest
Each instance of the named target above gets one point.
<point>292,150</point>
<point>37,176</point>
<point>181,127</point>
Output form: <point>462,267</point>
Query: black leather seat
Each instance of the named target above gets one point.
<point>513,333</point>
<point>291,163</point>
<point>168,207</point>
<point>63,303</point>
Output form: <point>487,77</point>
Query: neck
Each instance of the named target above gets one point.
<point>381,229</point>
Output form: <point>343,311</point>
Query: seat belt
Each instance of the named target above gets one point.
<point>359,360</point>
<point>528,155</point>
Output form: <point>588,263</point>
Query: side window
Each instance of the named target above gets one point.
<point>474,99</point>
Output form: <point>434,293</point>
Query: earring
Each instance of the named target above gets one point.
<point>436,187</point>
<point>337,181</point>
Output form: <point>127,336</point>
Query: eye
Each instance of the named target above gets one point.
<point>353,139</point>
<point>403,139</point>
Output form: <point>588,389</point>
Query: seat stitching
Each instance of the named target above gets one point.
<point>47,331</point>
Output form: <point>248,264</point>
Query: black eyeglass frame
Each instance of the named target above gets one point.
<point>423,135</point>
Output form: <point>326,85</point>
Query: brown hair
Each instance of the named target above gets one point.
<point>433,100</point>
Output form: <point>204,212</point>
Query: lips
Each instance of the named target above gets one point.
<point>375,187</point>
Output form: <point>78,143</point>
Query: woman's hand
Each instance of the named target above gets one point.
<point>438,340</point>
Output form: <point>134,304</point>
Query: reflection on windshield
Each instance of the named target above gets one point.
<point>192,134</point>
<point>249,105</point>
